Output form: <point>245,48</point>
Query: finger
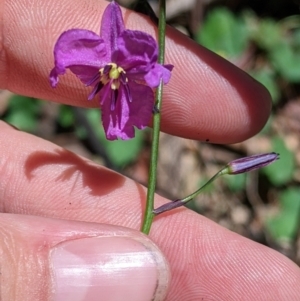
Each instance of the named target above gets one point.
<point>206,260</point>
<point>207,97</point>
<point>44,259</point>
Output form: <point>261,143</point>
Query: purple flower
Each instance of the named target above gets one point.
<point>250,163</point>
<point>122,67</point>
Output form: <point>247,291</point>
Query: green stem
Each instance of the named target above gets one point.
<point>194,194</point>
<point>180,202</point>
<point>148,217</point>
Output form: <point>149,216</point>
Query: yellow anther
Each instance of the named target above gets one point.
<point>120,69</point>
<point>114,74</point>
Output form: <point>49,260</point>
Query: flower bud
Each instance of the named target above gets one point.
<point>250,163</point>
<point>168,206</point>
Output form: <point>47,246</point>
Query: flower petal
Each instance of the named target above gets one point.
<point>158,72</point>
<point>137,52</point>
<point>141,107</point>
<point>120,122</point>
<point>114,121</point>
<point>82,51</point>
<point>86,73</point>
<point>112,26</point>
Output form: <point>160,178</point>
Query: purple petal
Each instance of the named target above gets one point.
<point>95,90</point>
<point>82,51</point>
<point>137,52</point>
<point>250,163</point>
<point>112,26</point>
<point>114,121</point>
<point>126,115</point>
<point>141,106</point>
<point>157,73</point>
<point>86,74</point>
<point>105,94</point>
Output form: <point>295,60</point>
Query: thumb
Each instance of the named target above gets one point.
<point>45,259</point>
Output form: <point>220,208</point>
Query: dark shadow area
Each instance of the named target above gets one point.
<point>98,179</point>
<point>268,8</point>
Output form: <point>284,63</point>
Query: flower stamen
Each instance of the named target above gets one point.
<point>95,90</point>
<point>114,98</point>
<point>113,74</point>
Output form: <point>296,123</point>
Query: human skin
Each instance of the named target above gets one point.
<point>207,98</point>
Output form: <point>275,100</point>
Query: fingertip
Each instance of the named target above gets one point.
<point>58,260</point>
<point>208,97</point>
<point>215,263</point>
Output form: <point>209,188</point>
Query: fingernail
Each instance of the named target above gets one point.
<point>108,268</point>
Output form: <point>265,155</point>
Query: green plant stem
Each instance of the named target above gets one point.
<point>148,217</point>
<point>180,202</point>
<point>194,194</point>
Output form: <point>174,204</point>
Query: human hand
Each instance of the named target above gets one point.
<point>207,98</point>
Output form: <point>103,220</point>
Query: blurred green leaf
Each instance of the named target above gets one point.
<point>193,205</point>
<point>281,171</point>
<point>210,188</point>
<point>23,112</point>
<point>81,132</point>
<point>268,126</point>
<point>235,182</point>
<point>286,61</point>
<point>267,34</point>
<point>123,152</point>
<point>119,152</point>
<point>284,226</point>
<point>223,33</point>
<point>65,116</point>
<point>296,39</point>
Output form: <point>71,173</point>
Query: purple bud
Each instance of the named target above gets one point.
<point>168,206</point>
<point>250,163</point>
